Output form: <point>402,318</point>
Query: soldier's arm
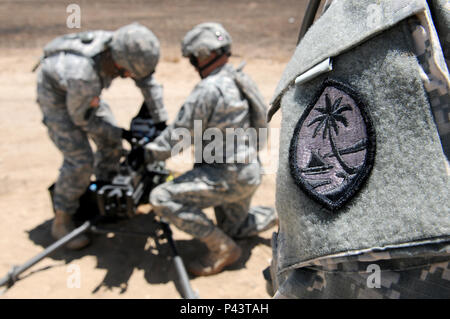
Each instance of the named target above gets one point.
<point>153,96</point>
<point>195,111</point>
<point>83,101</point>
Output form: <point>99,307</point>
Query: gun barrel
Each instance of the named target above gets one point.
<point>11,277</point>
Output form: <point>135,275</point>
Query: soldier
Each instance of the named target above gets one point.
<point>225,99</point>
<point>362,186</point>
<point>74,70</point>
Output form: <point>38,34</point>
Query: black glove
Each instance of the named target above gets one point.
<point>136,157</point>
<point>161,126</point>
<point>127,135</point>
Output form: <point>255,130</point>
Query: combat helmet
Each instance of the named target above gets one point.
<point>204,39</point>
<point>135,48</point>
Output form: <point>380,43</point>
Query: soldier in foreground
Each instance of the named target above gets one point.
<point>74,70</point>
<point>225,99</point>
<point>362,186</point>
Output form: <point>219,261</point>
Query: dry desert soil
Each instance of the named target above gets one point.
<point>264,34</point>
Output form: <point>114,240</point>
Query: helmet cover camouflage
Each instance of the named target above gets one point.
<point>135,48</point>
<point>205,38</point>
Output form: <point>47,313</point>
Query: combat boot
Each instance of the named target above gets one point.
<point>63,225</point>
<point>223,251</point>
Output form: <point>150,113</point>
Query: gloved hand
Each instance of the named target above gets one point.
<point>136,157</point>
<point>161,126</point>
<point>126,135</point>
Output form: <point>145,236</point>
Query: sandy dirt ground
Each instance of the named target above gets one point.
<point>264,34</point>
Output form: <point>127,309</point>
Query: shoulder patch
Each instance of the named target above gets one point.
<point>333,148</point>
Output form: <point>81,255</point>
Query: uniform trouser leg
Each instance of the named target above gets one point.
<point>181,201</point>
<point>236,218</point>
<point>78,164</point>
<point>71,141</point>
<point>108,153</point>
<point>239,220</point>
<point>77,167</point>
<point>231,217</point>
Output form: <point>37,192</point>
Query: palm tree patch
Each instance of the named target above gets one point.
<point>332,151</point>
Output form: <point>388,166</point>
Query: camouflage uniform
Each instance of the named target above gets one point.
<point>68,91</point>
<point>228,187</point>
<point>396,227</point>
<point>399,276</point>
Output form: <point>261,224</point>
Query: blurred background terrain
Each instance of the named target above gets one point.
<point>264,34</point>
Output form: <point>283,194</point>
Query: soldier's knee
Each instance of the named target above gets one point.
<point>159,197</point>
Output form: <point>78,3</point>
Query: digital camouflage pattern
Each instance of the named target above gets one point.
<point>205,38</point>
<point>227,186</point>
<point>152,92</point>
<point>440,11</point>
<point>228,189</point>
<point>216,103</point>
<point>406,270</point>
<point>135,48</point>
<point>431,281</point>
<point>88,44</point>
<point>68,93</point>
<point>413,272</point>
<point>434,78</point>
<point>66,86</point>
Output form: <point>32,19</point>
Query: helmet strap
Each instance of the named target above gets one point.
<point>219,60</point>
<point>107,64</point>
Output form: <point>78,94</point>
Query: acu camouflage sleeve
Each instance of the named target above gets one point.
<point>82,103</point>
<point>196,110</point>
<point>153,96</point>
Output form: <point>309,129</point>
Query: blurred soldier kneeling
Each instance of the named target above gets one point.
<point>224,101</point>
